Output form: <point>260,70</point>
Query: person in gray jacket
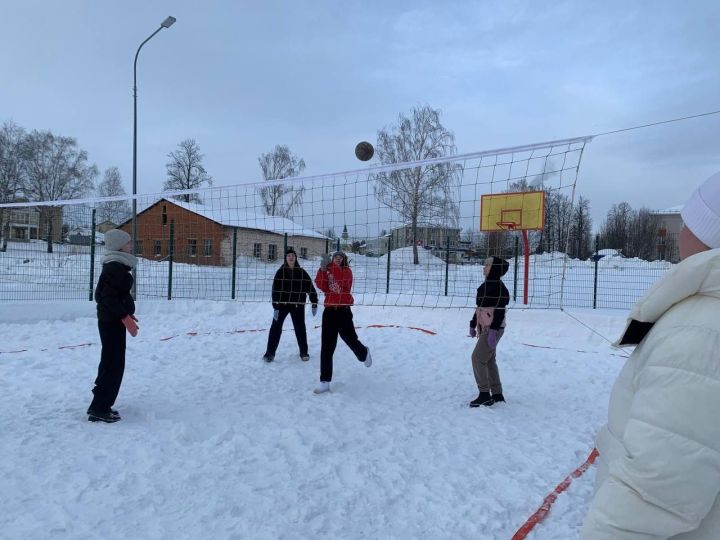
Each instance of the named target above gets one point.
<point>658,471</point>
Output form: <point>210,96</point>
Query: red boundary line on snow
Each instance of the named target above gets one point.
<point>194,334</point>
<point>542,512</point>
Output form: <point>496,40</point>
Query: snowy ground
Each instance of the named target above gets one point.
<point>216,444</point>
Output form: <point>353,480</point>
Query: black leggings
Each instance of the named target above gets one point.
<point>337,322</point>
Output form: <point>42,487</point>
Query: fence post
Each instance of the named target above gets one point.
<point>596,258</point>
<point>234,263</point>
<point>447,263</point>
<point>327,245</point>
<point>338,244</point>
<point>92,254</point>
<point>171,250</point>
<point>387,282</point>
<point>517,254</point>
<point>285,248</point>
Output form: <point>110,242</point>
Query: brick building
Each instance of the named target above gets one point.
<point>203,234</point>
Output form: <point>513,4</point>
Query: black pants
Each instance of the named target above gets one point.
<point>112,365</point>
<point>297,314</point>
<point>337,322</point>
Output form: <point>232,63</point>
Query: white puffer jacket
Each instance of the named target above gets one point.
<point>659,468</point>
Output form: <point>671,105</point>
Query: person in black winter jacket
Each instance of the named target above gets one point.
<point>488,325</point>
<point>290,289</point>
<point>116,315</point>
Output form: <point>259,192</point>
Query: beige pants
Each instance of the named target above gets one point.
<point>484,364</point>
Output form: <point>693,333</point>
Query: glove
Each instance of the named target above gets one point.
<point>276,314</point>
<point>492,338</point>
<point>314,309</point>
<point>130,324</point>
<point>473,332</point>
<point>134,318</point>
<point>324,261</point>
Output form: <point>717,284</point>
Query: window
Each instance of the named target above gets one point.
<point>139,247</point>
<point>208,248</point>
<point>158,248</point>
<point>303,253</point>
<point>164,215</point>
<point>192,247</point>
<point>272,252</point>
<point>257,250</point>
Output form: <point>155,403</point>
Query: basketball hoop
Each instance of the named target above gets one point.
<point>507,225</point>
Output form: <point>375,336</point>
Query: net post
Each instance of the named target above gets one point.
<point>92,254</point>
<point>234,262</point>
<point>526,251</point>
<point>515,276</point>
<point>447,263</point>
<point>171,249</point>
<point>387,279</point>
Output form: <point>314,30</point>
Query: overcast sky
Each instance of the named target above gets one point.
<point>241,77</point>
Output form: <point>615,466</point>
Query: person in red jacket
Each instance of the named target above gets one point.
<point>334,278</point>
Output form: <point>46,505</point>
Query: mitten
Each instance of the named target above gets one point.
<point>314,309</point>
<point>473,332</point>
<point>276,314</point>
<point>130,324</point>
<point>492,338</point>
<point>324,261</point>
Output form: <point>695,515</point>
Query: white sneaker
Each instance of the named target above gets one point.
<point>368,358</point>
<point>322,388</point>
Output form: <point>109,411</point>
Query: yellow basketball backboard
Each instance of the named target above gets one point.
<point>522,211</point>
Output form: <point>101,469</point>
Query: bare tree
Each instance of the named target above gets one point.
<point>185,170</point>
<point>616,229</point>
<point>111,186</point>
<point>580,230</point>
<point>55,169</point>
<point>644,234</point>
<point>11,140</point>
<point>281,199</point>
<point>421,193</point>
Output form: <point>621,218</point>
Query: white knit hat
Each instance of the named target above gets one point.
<point>701,214</point>
<point>116,239</point>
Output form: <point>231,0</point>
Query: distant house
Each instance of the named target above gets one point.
<point>433,237</point>
<point>27,223</point>
<point>203,234</point>
<point>105,226</point>
<point>669,228</point>
<point>428,235</point>
<point>377,247</point>
<point>82,236</point>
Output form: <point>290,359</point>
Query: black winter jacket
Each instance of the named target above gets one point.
<point>112,293</point>
<point>291,286</point>
<point>493,293</point>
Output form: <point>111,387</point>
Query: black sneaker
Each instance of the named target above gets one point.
<point>484,399</point>
<point>304,357</point>
<point>112,411</point>
<point>99,416</point>
<point>269,357</point>
<point>498,398</point>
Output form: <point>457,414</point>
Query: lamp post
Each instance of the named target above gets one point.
<point>167,23</point>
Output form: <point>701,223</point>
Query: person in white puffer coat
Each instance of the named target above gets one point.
<point>658,471</point>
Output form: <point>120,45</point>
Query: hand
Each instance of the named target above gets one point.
<point>473,332</point>
<point>324,261</point>
<point>130,324</point>
<point>492,338</point>
<point>134,318</point>
<point>314,309</point>
<point>276,314</point>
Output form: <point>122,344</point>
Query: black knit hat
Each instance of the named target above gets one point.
<point>290,250</point>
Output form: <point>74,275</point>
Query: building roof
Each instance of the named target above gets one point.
<point>238,217</point>
<point>672,210</point>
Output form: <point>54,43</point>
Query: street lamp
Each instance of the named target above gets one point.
<point>167,23</point>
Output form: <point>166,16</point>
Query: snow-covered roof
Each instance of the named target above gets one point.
<point>238,217</point>
<point>672,210</point>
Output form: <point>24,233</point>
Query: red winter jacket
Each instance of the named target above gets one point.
<point>341,277</point>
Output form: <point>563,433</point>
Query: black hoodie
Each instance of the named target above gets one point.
<point>493,293</point>
<point>291,285</point>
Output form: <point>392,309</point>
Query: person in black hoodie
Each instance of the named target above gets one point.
<point>488,325</point>
<point>116,315</point>
<point>290,288</point>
